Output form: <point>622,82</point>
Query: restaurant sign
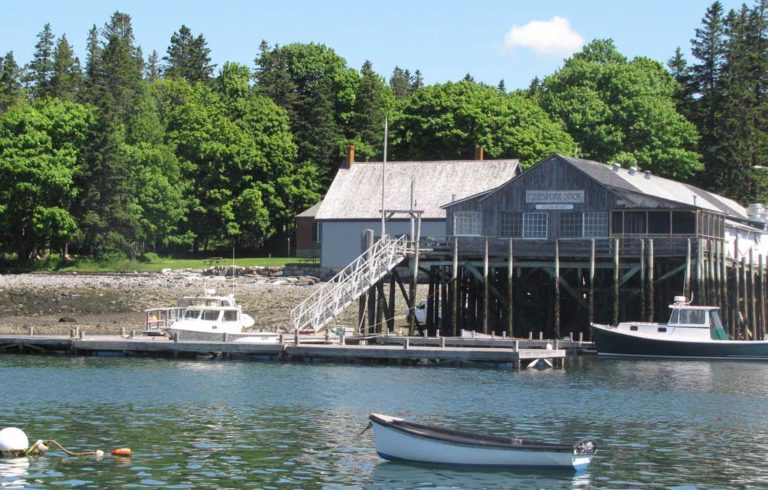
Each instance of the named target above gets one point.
<point>552,197</point>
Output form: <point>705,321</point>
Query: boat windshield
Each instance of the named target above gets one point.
<point>210,315</point>
<point>230,315</point>
<point>192,314</point>
<point>716,329</point>
<point>685,316</point>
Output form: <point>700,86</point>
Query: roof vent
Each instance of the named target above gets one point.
<point>632,170</point>
<point>616,167</point>
<point>647,174</point>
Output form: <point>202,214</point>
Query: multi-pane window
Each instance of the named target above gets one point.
<point>595,225</point>
<point>467,223</point>
<point>534,225</point>
<point>570,225</point>
<point>510,224</point>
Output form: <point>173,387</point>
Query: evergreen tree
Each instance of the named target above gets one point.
<point>41,67</point>
<point>188,57</point>
<point>501,87</point>
<point>371,104</point>
<point>400,83</point>
<point>678,68</point>
<point>10,82</point>
<point>94,52</point>
<point>708,47</point>
<point>67,77</point>
<point>152,68</point>
<point>417,81</point>
<point>314,85</point>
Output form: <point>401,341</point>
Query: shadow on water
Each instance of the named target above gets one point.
<point>391,475</point>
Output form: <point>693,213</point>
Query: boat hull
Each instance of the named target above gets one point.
<point>395,445</point>
<point>610,342</point>
<point>208,336</point>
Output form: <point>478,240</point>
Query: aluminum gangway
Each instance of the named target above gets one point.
<point>347,286</point>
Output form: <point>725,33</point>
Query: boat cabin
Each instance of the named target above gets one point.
<point>686,322</point>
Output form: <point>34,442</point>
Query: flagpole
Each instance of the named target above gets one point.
<point>383,181</point>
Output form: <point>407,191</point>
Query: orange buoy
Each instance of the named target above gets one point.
<point>121,451</point>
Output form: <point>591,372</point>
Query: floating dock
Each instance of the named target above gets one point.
<point>510,353</point>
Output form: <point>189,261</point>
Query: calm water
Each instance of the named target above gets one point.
<point>198,424</point>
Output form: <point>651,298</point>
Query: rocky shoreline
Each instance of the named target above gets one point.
<point>54,304</point>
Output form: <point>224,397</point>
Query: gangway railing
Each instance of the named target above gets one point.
<point>322,306</point>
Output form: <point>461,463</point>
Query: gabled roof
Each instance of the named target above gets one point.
<point>659,187</point>
<point>310,212</point>
<point>640,183</point>
<point>356,192</point>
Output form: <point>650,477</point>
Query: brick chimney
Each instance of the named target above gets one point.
<point>479,153</point>
<point>350,156</point>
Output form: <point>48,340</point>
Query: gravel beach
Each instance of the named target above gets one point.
<point>103,303</point>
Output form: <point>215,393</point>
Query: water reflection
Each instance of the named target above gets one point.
<point>13,472</point>
<point>390,475</point>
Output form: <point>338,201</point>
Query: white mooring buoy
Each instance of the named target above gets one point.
<point>13,440</point>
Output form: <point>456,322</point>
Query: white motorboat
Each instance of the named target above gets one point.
<point>206,317</point>
<point>398,440</point>
<point>691,332</point>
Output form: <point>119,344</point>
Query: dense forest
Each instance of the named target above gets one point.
<point>124,154</point>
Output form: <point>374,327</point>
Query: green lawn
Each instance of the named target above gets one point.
<point>161,263</point>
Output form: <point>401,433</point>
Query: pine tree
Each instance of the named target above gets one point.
<point>400,83</point>
<point>678,68</point>
<point>417,81</point>
<point>369,111</point>
<point>41,67</point>
<point>708,47</point>
<point>10,82</point>
<point>152,67</point>
<point>188,57</point>
<point>501,87</point>
<point>67,76</point>
<point>94,52</point>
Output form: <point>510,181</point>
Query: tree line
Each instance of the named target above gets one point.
<point>124,154</point>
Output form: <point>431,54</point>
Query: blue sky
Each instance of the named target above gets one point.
<point>491,39</point>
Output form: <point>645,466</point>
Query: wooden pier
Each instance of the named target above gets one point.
<point>516,353</point>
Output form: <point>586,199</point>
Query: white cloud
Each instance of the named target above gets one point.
<point>544,37</point>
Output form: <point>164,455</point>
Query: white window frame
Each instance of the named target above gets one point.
<point>468,223</point>
<point>534,224</point>
<point>590,221</point>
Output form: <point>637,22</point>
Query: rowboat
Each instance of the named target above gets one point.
<point>691,332</point>
<point>399,440</point>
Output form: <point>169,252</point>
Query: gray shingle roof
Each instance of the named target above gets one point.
<point>658,187</point>
<point>310,212</point>
<point>356,192</point>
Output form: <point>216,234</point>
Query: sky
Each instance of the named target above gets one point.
<point>513,40</point>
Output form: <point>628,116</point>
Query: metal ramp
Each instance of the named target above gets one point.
<point>348,285</point>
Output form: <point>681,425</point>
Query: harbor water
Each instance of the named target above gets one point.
<point>225,424</point>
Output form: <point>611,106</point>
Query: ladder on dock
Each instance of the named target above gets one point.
<point>347,286</point>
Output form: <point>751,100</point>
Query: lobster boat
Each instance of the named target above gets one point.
<point>691,332</point>
<point>399,440</point>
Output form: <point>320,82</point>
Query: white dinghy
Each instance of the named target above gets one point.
<point>398,440</point>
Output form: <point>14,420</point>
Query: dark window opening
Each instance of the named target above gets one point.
<point>683,222</point>
<point>634,222</point>
<point>659,222</point>
<point>617,222</point>
<point>662,329</point>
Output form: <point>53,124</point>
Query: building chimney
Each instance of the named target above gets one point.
<point>479,153</point>
<point>350,156</point>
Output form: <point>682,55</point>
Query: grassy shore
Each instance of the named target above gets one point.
<point>154,264</point>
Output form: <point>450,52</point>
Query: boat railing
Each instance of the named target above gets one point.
<point>162,318</point>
